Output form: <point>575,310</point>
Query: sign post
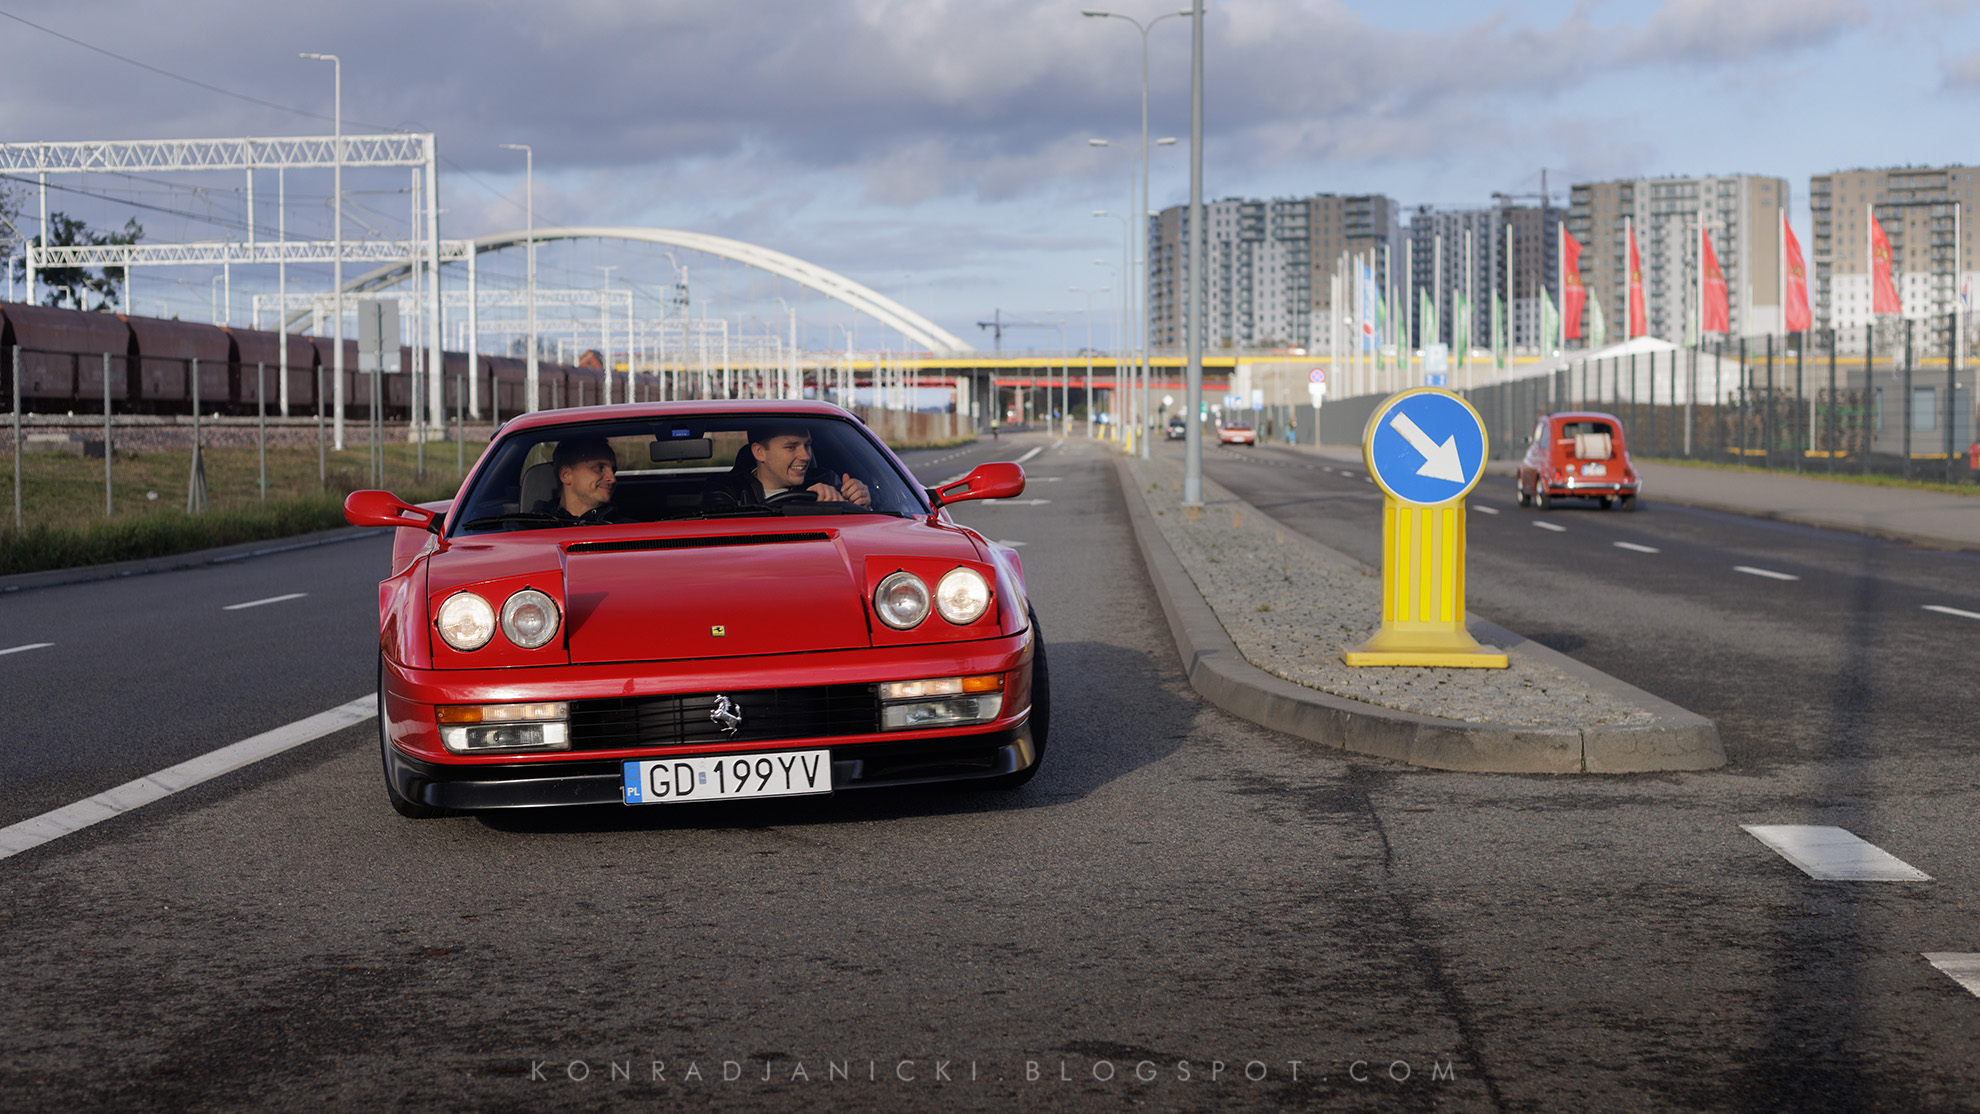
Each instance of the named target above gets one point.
<point>1425,448</point>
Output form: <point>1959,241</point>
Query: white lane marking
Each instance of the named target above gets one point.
<point>1635,548</point>
<point>1961,967</point>
<point>1017,502</point>
<point>1833,854</point>
<point>258,603</point>
<point>1034,452</point>
<point>38,830</point>
<point>1483,509</point>
<point>1009,542</point>
<point>1768,573</point>
<point>44,645</point>
<point>1551,526</point>
<point>1940,608</point>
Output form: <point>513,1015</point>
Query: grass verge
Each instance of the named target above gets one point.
<point>1865,479</point>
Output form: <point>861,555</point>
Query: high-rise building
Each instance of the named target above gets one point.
<point>1268,267</point>
<point>1923,213</point>
<point>1741,213</point>
<point>1453,252</point>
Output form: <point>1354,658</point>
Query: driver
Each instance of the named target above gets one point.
<point>782,462</point>
<point>587,470</point>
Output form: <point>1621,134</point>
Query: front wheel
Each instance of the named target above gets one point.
<point>411,810</point>
<point>1041,711</point>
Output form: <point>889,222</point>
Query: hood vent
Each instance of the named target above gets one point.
<point>635,544</point>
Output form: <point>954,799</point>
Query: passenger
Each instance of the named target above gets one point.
<point>587,470</point>
<point>777,462</point>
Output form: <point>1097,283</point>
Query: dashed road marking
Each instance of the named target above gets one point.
<point>1768,573</point>
<point>1635,548</point>
<point>1009,542</point>
<point>1961,967</point>
<point>1483,509</point>
<point>38,830</point>
<point>1940,608</point>
<point>1016,502</point>
<point>1027,456</point>
<point>269,600</point>
<point>1556,528</point>
<point>22,649</point>
<point>1834,854</point>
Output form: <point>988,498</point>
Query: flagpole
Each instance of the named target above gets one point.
<point>1780,238</point>
<point>1560,277</point>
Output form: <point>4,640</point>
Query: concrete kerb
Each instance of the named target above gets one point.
<point>220,555</point>
<point>1679,740</point>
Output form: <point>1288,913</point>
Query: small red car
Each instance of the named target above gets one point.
<point>1237,433</point>
<point>702,635</point>
<point>1579,454</point>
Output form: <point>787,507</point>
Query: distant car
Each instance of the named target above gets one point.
<point>1178,430</point>
<point>705,639</point>
<point>1237,433</point>
<point>1578,455</point>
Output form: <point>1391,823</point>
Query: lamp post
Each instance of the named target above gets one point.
<point>1095,13</point>
<point>529,213</point>
<point>794,381</point>
<point>605,335</point>
<point>1089,291</point>
<point>337,234</point>
<point>1121,384</point>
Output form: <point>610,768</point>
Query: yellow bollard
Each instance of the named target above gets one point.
<point>1423,531</point>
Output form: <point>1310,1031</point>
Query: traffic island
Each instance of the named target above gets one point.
<point>1261,613</point>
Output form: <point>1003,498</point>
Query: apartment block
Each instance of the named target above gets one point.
<point>1740,212</point>
<point>1470,252</point>
<point>1924,214</point>
<point>1268,267</point>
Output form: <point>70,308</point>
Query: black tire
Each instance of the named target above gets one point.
<point>1627,502</point>
<point>1542,500</point>
<point>411,810</point>
<point>1607,502</point>
<point>1041,711</point>
<point>1525,499</point>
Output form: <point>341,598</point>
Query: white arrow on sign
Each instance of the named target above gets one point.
<point>1440,462</point>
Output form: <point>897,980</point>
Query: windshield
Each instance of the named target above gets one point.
<point>684,467</point>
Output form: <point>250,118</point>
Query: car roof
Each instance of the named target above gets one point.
<point>736,407</point>
<point>1583,415</point>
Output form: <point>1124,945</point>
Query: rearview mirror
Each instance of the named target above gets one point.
<point>1001,480</point>
<point>691,448</point>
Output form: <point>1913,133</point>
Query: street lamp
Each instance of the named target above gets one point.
<point>337,234</point>
<point>1096,13</point>
<point>1122,385</point>
<point>529,212</point>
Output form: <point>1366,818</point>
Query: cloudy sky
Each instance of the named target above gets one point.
<point>938,151</point>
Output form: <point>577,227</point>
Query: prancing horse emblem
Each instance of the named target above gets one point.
<point>727,714</point>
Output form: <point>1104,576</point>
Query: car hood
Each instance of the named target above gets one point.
<point>706,589</point>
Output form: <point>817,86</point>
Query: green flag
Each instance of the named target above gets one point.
<point>1598,332</point>
<point>1550,323</point>
<point>1381,330</point>
<point>1461,328</point>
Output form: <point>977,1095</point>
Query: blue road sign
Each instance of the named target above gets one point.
<point>1425,446</point>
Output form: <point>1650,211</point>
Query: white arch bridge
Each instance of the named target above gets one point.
<point>833,285</point>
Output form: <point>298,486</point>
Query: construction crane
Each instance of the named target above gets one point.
<point>997,325</point>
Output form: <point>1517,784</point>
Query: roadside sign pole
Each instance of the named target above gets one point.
<point>1426,449</point>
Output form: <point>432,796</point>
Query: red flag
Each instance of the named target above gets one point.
<point>1638,320</point>
<point>1716,316</point>
<point>1794,300</point>
<point>1883,292</point>
<point>1574,296</point>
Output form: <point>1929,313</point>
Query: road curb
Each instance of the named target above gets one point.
<point>1681,740</point>
<point>220,555</point>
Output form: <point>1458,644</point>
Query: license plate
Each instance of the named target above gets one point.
<point>727,777</point>
<point>1594,469</point>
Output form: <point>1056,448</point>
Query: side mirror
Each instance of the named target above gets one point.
<point>1001,480</point>
<point>382,508</point>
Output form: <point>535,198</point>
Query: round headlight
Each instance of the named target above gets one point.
<point>901,600</point>
<point>529,618</point>
<point>962,596</point>
<point>466,621</point>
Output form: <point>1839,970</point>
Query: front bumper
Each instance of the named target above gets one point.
<point>599,781</point>
<point>425,772</point>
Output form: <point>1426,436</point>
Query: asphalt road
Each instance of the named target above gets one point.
<point>1174,886</point>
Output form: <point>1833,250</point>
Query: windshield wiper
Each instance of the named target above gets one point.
<point>512,516</point>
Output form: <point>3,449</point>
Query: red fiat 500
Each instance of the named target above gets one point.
<point>1580,454</point>
<point>1237,433</point>
<point>678,602</point>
